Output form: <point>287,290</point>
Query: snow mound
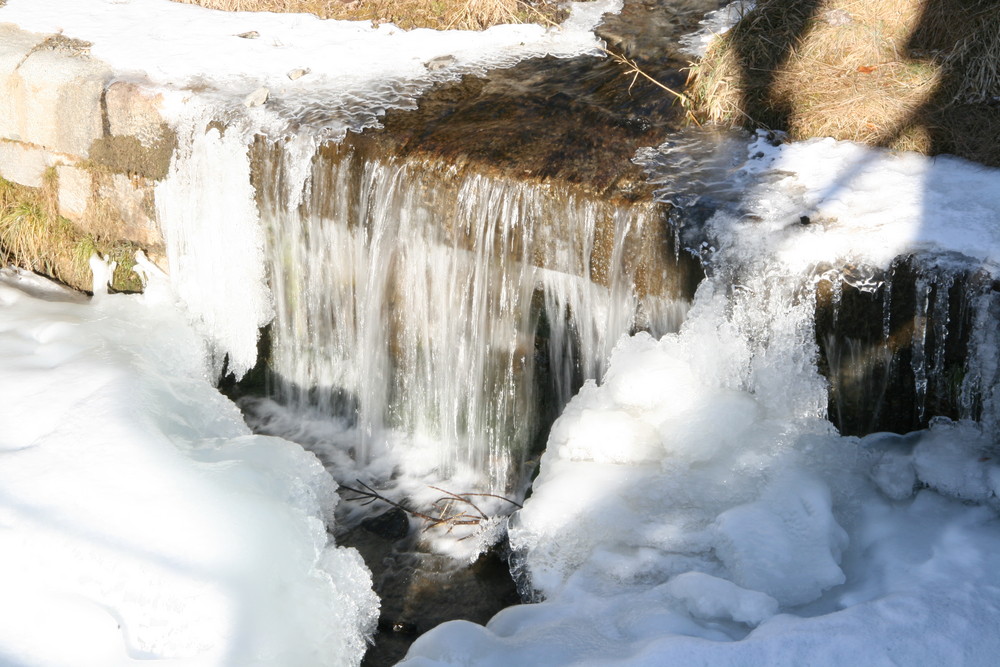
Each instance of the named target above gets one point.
<point>139,517</point>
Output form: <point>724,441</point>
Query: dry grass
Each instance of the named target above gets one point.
<point>908,74</point>
<point>35,237</point>
<point>463,14</point>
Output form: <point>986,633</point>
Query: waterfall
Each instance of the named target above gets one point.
<point>460,308</point>
<point>451,312</point>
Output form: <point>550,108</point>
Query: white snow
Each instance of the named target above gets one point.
<point>864,206</point>
<point>759,540</point>
<point>139,517</point>
<point>869,206</point>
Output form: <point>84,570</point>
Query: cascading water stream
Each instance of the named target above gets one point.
<point>447,305</point>
<point>433,317</point>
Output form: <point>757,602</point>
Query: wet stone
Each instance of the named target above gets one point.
<point>391,525</point>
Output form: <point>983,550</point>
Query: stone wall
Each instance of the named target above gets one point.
<point>68,124</point>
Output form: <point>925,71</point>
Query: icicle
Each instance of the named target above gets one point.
<point>214,239</point>
<point>102,269</point>
<point>918,343</point>
<point>887,305</point>
<point>941,323</point>
<point>836,296</point>
<point>978,395</point>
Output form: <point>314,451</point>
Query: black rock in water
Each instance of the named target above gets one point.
<point>391,525</point>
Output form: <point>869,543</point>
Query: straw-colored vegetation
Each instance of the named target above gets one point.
<point>911,74</point>
<point>462,14</point>
<point>35,237</point>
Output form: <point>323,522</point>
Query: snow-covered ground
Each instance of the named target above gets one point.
<point>139,517</point>
<point>836,202</point>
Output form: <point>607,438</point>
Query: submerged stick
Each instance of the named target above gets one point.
<point>368,495</point>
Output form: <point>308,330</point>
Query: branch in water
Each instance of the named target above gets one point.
<point>445,515</point>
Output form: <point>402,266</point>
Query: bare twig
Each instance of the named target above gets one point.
<point>447,514</point>
<point>632,67</point>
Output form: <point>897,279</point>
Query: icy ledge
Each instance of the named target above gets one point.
<point>277,75</point>
<point>139,518</point>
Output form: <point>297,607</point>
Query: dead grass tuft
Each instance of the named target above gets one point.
<point>35,237</point>
<point>407,14</point>
<point>907,74</point>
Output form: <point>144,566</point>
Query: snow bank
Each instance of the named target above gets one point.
<point>139,518</point>
<point>821,201</point>
<point>678,520</point>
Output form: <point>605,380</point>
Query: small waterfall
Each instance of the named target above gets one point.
<point>460,308</point>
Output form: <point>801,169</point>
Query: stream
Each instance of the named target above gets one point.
<point>517,365</point>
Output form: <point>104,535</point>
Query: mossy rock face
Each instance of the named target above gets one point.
<point>128,155</point>
<point>35,237</point>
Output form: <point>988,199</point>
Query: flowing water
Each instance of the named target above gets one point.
<point>417,297</point>
<point>443,286</point>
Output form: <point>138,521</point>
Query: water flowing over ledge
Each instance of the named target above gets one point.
<point>450,304</point>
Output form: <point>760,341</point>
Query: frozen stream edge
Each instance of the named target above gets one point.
<point>695,507</point>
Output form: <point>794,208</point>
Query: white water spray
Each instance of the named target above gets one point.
<point>411,297</point>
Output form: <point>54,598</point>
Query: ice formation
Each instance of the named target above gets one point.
<point>714,24</point>
<point>695,507</point>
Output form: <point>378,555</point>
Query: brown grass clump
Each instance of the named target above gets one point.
<point>910,74</point>
<point>33,236</point>
<point>407,14</point>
